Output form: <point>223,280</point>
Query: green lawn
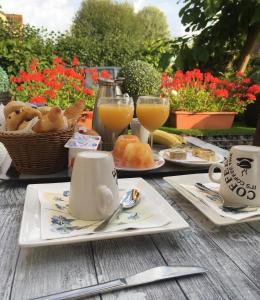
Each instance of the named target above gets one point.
<point>237,129</point>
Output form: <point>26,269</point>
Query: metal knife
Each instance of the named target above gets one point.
<point>148,276</point>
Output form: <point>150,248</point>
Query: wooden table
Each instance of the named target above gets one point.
<point>231,254</point>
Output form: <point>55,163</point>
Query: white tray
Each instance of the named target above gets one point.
<point>30,235</point>
<point>217,219</point>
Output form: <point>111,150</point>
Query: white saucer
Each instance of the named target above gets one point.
<point>159,162</point>
<point>192,161</point>
<point>178,181</point>
<point>30,232</point>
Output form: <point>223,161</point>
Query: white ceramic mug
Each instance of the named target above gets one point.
<point>93,187</point>
<point>240,176</point>
<point>139,130</point>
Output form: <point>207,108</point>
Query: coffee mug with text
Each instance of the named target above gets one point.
<point>240,176</point>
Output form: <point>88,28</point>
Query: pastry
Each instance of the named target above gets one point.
<point>121,143</point>
<point>177,154</point>
<point>44,109</point>
<point>17,117</point>
<point>206,154</point>
<point>73,112</point>
<point>53,120</point>
<point>138,155</point>
<point>12,106</point>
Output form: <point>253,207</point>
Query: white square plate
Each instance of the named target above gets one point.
<point>30,232</point>
<point>217,219</point>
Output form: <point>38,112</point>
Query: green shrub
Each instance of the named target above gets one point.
<point>140,79</point>
<point>4,81</point>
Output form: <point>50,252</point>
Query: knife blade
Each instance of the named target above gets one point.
<point>148,276</point>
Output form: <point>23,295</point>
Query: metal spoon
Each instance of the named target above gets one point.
<point>129,200</point>
<point>217,195</point>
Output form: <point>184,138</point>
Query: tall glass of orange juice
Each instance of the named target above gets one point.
<point>116,112</point>
<point>152,112</point>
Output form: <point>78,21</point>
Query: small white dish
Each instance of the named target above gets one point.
<point>191,160</point>
<point>158,159</point>
<point>30,231</point>
<point>212,215</point>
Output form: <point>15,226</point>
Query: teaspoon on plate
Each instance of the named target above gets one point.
<point>130,199</point>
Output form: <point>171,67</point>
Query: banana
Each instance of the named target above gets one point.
<point>167,139</point>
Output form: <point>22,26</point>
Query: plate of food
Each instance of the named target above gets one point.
<point>132,155</point>
<point>158,162</point>
<point>191,156</point>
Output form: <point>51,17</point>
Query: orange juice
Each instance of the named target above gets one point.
<point>115,117</point>
<point>152,116</point>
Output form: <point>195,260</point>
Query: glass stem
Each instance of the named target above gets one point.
<point>151,139</point>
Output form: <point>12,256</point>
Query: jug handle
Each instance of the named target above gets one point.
<point>105,201</point>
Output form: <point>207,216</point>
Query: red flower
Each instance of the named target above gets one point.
<point>221,93</point>
<point>34,64</point>
<point>38,100</point>
<point>105,74</point>
<point>50,93</point>
<point>212,86</point>
<point>75,86</point>
<point>57,61</point>
<point>246,80</point>
<point>250,97</point>
<point>254,89</point>
<point>75,61</point>
<point>19,88</point>
<point>87,91</point>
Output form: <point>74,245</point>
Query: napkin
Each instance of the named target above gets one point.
<point>57,222</point>
<point>217,204</point>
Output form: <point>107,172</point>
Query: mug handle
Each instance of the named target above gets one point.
<point>105,200</point>
<point>212,169</point>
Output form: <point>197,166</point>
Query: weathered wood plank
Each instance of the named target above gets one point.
<point>229,275</point>
<point>46,270</point>
<point>124,257</point>
<point>9,230</point>
<point>11,194</point>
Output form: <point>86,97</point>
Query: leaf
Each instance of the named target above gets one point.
<point>165,61</point>
<point>256,16</point>
<point>200,54</point>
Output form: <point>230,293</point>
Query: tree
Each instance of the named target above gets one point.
<point>19,45</point>
<point>228,32</point>
<point>154,23</point>
<point>113,33</point>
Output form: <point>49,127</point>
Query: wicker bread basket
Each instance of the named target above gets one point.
<point>38,153</point>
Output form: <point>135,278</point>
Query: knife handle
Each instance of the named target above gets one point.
<point>86,291</point>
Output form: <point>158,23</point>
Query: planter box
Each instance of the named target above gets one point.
<point>202,120</point>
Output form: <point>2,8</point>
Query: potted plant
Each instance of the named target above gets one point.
<point>201,100</point>
<point>141,79</point>
<point>4,87</point>
<point>58,85</point>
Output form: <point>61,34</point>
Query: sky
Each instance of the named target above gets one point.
<point>57,15</point>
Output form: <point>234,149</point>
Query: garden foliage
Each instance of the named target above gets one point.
<point>195,91</point>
